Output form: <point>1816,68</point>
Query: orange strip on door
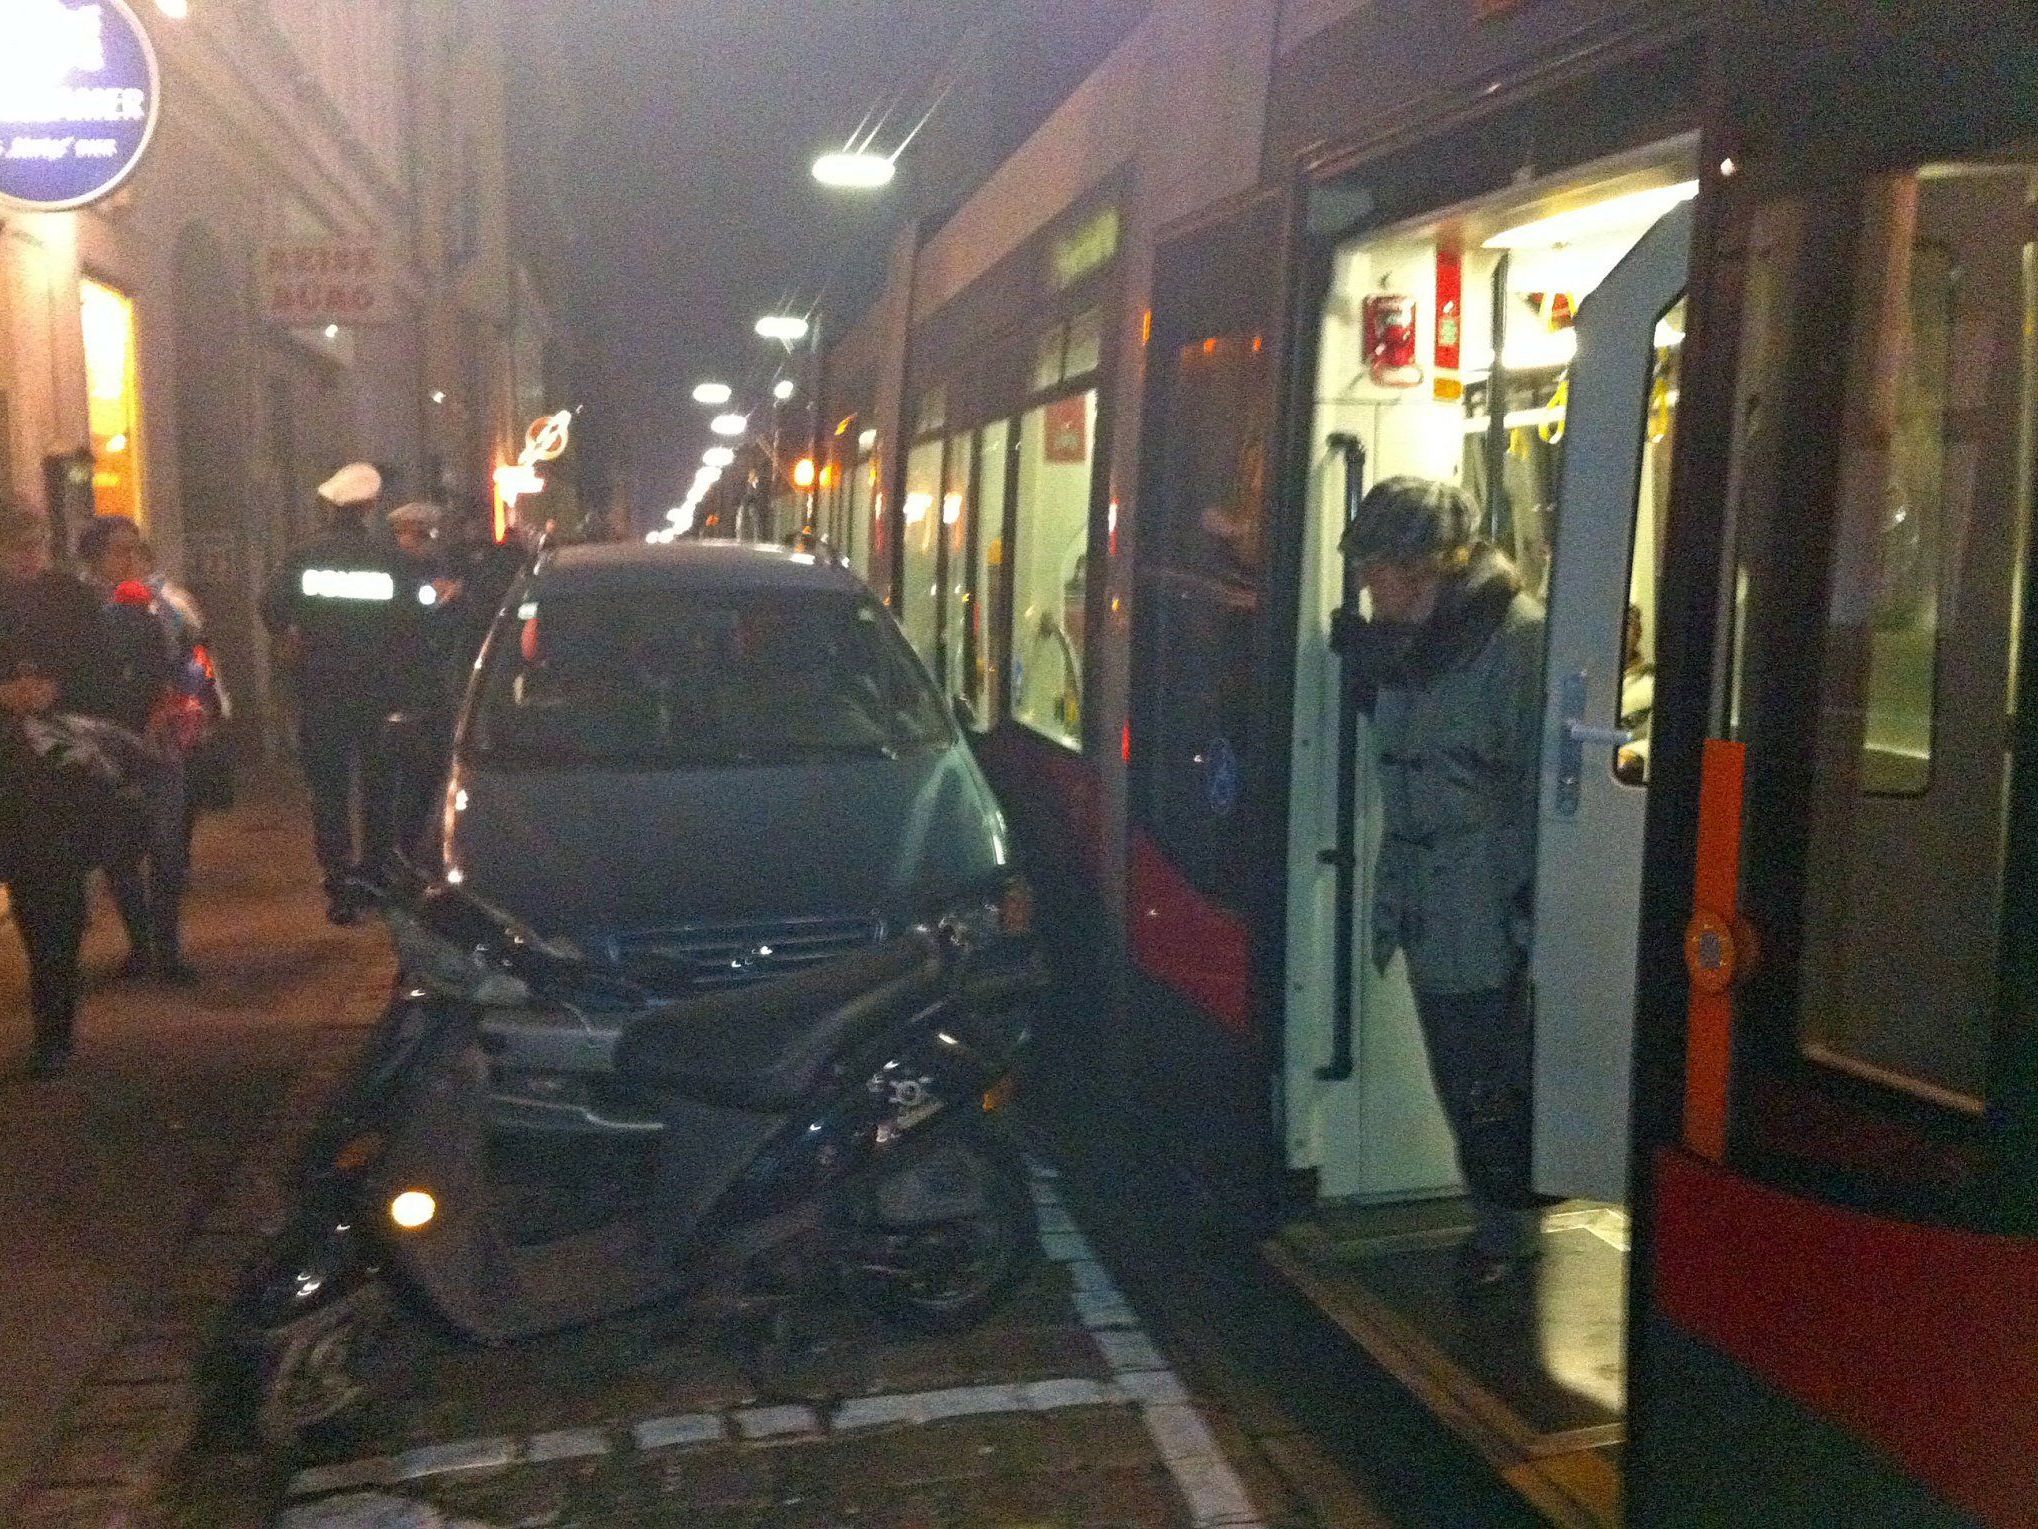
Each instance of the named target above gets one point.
<point>1711,955</point>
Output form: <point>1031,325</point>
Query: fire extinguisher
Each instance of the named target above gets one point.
<point>1387,330</point>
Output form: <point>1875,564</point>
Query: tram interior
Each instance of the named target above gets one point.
<point>1537,1362</point>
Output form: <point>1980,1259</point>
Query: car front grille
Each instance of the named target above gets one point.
<point>737,954</point>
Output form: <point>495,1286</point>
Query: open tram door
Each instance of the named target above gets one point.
<point>1835,1315</point>
<point>1524,345</point>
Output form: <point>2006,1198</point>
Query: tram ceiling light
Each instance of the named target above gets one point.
<point>786,328</point>
<point>1637,207</point>
<point>718,456</point>
<point>854,170</point>
<point>713,394</point>
<point>176,10</point>
<point>783,389</point>
<point>729,424</point>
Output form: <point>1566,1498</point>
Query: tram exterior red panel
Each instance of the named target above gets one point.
<point>1923,1340</point>
<point>1180,938</point>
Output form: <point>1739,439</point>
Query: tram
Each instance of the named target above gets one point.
<point>1728,319</point>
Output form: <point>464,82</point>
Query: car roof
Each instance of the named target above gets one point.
<point>691,565</point>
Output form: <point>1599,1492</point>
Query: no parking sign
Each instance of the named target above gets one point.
<point>79,100</point>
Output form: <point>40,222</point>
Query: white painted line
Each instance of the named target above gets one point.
<point>378,1471</point>
<point>1215,1495</point>
<point>566,1444</point>
<point>1129,1351</point>
<point>777,1422</point>
<point>1067,1247</point>
<point>448,1459</point>
<point>1054,1220</point>
<point>1047,1395</point>
<point>689,1428</point>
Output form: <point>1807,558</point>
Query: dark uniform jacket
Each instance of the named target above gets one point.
<point>342,595</point>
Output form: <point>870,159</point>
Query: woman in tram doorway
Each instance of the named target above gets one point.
<point>1458,652</point>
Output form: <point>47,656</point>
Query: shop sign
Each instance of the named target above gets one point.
<point>311,284</point>
<point>1089,246</point>
<point>79,98</point>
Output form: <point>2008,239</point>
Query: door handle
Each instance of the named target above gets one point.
<point>1585,734</point>
<point>1574,735</point>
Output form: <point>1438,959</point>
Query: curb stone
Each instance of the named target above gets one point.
<point>138,1409</point>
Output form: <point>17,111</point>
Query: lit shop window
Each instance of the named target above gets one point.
<point>1057,447</point>
<point>114,397</point>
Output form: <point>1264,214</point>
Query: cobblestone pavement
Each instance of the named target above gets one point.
<point>137,1185</point>
<point>1059,1412</point>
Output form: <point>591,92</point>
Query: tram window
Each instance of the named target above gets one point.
<point>920,591</point>
<point>857,492</point>
<point>1086,344</point>
<point>1049,352</point>
<point>1212,515</point>
<point>1057,448</point>
<point>1652,507</point>
<point>959,594</point>
<point>1905,855</point>
<point>993,442</point>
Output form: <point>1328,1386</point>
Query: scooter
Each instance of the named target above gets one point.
<point>828,1134</point>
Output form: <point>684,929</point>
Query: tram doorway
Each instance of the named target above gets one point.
<point>1524,348</point>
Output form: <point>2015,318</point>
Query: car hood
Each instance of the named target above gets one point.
<point>587,854</point>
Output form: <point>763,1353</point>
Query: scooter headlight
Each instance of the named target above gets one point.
<point>413,1209</point>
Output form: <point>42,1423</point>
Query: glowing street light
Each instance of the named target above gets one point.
<point>729,424</point>
<point>718,456</point>
<point>803,473</point>
<point>783,390</point>
<point>855,170</point>
<point>786,328</point>
<point>713,394</point>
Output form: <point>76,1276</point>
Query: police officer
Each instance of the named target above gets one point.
<point>333,614</point>
<point>422,665</point>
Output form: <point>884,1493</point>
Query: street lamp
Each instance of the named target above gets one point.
<point>855,170</point>
<point>784,389</point>
<point>786,328</point>
<point>713,394</point>
<point>718,456</point>
<point>729,424</point>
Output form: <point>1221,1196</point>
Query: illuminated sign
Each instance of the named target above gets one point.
<point>547,437</point>
<point>78,101</point>
<point>1089,246</point>
<point>311,284</point>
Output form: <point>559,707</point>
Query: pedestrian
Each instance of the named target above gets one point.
<point>1456,649</point>
<point>148,891</point>
<point>331,613</point>
<point>486,569</point>
<point>208,767</point>
<point>61,808</point>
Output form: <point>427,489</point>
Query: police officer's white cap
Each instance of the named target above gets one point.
<point>356,483</point>
<point>416,513</point>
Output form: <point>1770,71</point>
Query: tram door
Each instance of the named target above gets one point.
<point>1600,681</point>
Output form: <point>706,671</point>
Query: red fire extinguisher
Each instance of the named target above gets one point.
<point>1387,330</point>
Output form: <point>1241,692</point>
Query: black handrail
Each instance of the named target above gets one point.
<point>1344,856</point>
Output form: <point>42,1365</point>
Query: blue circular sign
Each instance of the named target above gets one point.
<point>1220,776</point>
<point>79,97</point>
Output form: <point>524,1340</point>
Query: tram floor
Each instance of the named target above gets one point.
<point>1531,1372</point>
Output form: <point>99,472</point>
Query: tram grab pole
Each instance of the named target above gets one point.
<point>1344,855</point>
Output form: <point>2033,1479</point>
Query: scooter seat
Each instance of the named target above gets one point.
<point>764,1047</point>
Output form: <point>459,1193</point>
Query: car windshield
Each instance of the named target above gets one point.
<point>669,679</point>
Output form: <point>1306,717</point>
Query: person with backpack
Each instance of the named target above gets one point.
<point>67,805</point>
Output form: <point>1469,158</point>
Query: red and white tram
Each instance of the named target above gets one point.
<point>1728,317</point>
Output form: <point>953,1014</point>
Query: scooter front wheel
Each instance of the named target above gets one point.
<point>945,1237</point>
<point>321,1371</point>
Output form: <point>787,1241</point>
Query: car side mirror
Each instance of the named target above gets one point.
<point>966,714</point>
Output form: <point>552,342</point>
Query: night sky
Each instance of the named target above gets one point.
<point>691,192</point>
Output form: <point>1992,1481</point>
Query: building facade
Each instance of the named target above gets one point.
<point>149,365</point>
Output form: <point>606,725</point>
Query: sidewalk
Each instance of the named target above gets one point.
<point>123,1205</point>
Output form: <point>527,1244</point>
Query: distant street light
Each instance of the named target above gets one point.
<point>803,473</point>
<point>783,389</point>
<point>713,394</point>
<point>786,328</point>
<point>718,456</point>
<point>854,170</point>
<point>729,424</point>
